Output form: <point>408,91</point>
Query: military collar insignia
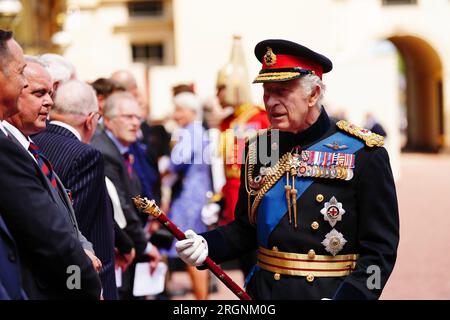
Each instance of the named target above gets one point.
<point>371,139</point>
<point>334,242</point>
<point>270,58</point>
<point>335,146</point>
<point>332,211</point>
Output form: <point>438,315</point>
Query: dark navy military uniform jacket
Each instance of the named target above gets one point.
<point>370,225</point>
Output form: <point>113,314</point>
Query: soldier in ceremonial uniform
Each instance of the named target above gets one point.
<point>233,91</point>
<point>321,207</point>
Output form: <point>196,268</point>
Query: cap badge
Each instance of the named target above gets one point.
<point>332,211</point>
<point>334,242</point>
<point>270,58</point>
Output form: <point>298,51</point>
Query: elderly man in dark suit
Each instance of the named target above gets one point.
<point>34,104</point>
<point>122,121</point>
<point>80,167</point>
<point>54,264</point>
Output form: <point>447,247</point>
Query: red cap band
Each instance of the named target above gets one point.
<point>288,61</point>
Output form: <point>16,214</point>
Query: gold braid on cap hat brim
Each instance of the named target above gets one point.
<point>277,76</point>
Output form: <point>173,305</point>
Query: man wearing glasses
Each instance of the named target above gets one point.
<point>122,120</point>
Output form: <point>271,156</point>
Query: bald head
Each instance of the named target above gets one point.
<point>126,79</point>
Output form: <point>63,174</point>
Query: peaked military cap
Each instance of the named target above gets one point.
<point>284,60</point>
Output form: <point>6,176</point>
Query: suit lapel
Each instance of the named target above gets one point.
<point>40,174</point>
<point>4,229</point>
<point>58,196</point>
<point>66,200</point>
<point>112,149</point>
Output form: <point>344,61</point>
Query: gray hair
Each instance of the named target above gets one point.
<point>125,78</point>
<point>37,60</point>
<point>5,36</point>
<point>75,97</point>
<point>113,101</point>
<point>59,67</point>
<point>309,82</point>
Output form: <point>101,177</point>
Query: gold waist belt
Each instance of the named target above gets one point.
<point>296,264</point>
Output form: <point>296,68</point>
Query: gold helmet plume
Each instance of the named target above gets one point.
<point>234,76</point>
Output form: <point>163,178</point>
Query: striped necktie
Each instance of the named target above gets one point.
<point>43,163</point>
<point>128,159</point>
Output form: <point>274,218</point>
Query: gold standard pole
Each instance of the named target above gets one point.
<point>150,207</point>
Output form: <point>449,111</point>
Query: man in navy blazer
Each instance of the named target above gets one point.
<point>53,262</point>
<point>10,278</point>
<point>73,120</point>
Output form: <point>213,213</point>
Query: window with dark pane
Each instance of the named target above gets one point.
<point>398,2</point>
<point>152,8</point>
<point>148,53</point>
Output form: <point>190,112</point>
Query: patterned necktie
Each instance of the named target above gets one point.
<point>128,159</point>
<point>43,163</point>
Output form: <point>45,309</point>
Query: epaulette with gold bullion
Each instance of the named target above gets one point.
<point>371,139</point>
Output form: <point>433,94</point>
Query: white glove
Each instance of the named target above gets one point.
<point>210,213</point>
<point>193,250</point>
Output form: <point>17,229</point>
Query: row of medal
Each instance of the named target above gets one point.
<point>317,164</point>
<point>314,164</point>
<point>333,172</point>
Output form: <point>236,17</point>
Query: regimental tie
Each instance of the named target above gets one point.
<point>128,159</point>
<point>43,163</point>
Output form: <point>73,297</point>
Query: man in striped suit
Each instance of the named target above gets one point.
<point>80,167</point>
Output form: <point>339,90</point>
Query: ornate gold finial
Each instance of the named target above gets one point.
<point>270,58</point>
<point>147,206</point>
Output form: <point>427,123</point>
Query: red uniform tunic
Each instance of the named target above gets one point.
<point>244,122</point>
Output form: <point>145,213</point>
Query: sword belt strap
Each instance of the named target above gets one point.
<point>297,264</point>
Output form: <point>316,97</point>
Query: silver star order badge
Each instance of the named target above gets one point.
<point>334,242</point>
<point>332,211</point>
<point>294,162</point>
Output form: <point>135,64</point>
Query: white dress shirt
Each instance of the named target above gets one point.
<point>23,140</point>
<point>68,127</point>
<point>3,129</point>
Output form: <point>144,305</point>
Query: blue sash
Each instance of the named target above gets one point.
<point>273,205</point>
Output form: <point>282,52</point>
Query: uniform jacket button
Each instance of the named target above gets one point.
<point>274,248</point>
<point>311,254</point>
<point>276,276</point>
<point>315,225</point>
<point>310,278</point>
<point>12,257</point>
<point>319,198</point>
